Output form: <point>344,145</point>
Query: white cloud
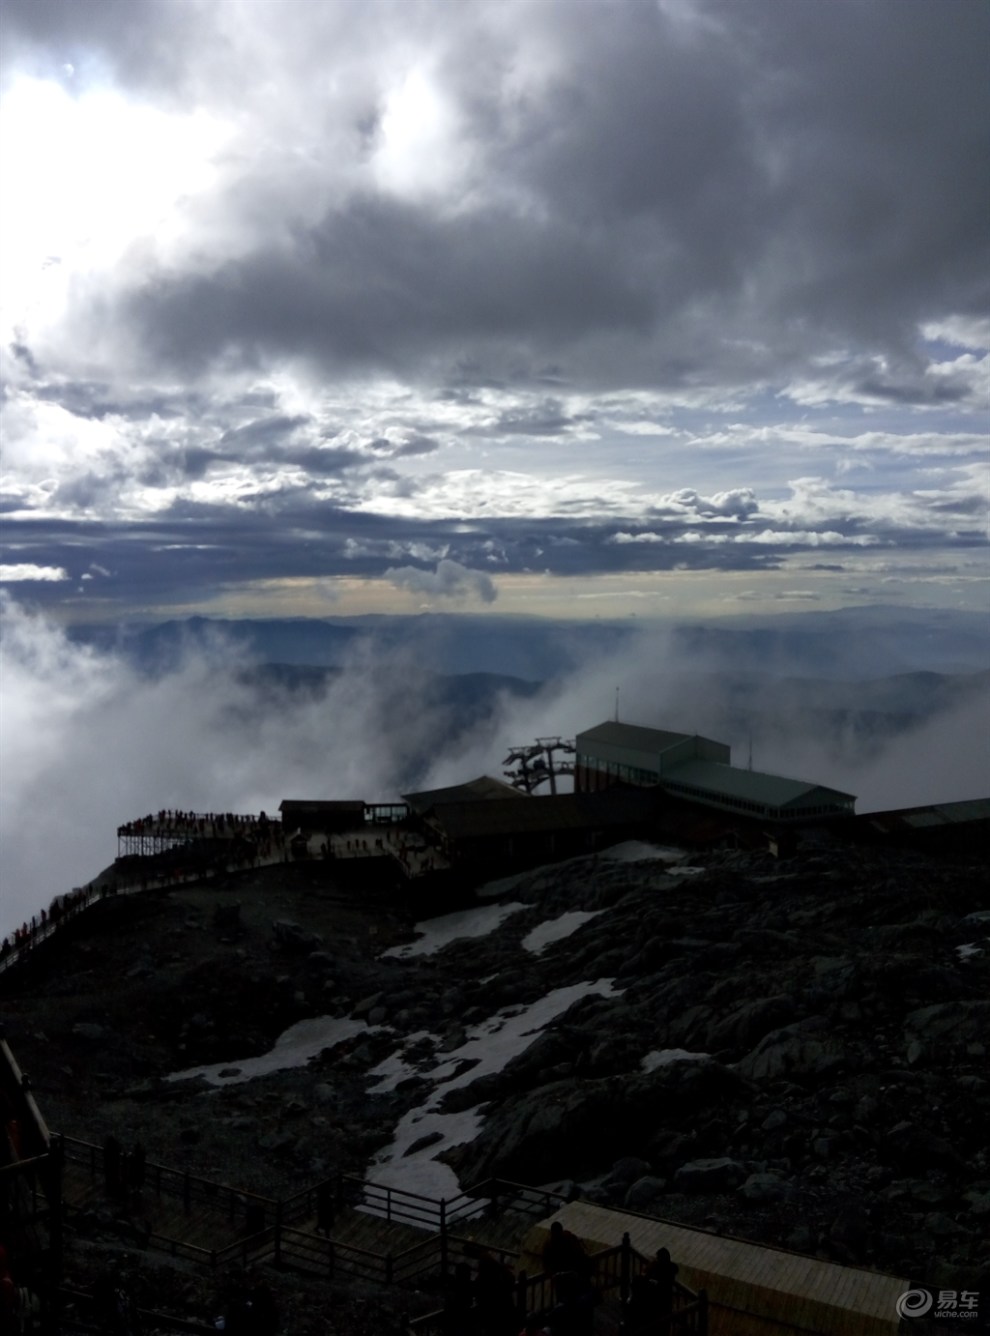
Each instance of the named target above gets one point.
<point>11,573</point>
<point>449,580</point>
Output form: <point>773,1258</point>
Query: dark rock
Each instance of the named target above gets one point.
<point>644,1194</point>
<point>718,1175</point>
<point>942,1226</point>
<point>956,1023</point>
<point>915,1148</point>
<point>626,1170</point>
<point>792,1051</point>
<point>421,1143</point>
<point>764,1188</point>
<point>89,1030</point>
<point>749,1023</point>
<point>669,1148</point>
<point>291,936</point>
<point>979,1204</point>
<point>279,1142</point>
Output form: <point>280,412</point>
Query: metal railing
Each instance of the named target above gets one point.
<point>270,1233</point>
<point>190,1189</point>
<point>270,1228</point>
<point>612,1269</point>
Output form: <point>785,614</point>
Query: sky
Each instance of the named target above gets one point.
<point>667,307</point>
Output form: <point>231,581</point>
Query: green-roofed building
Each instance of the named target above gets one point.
<point>752,793</point>
<point>698,769</point>
<point>614,753</point>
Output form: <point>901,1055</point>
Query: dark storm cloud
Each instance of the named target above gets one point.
<point>100,399</point>
<point>208,547</point>
<point>632,221</point>
<point>543,419</point>
<point>907,392</point>
<point>416,445</point>
<point>879,114</point>
<point>381,281</point>
<point>24,355</point>
<point>143,43</point>
<point>716,198</point>
<point>263,432</point>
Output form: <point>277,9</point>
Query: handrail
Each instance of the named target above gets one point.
<point>23,1166</point>
<point>162,1173</point>
<point>399,1203</point>
<point>70,904</point>
<point>273,1241</point>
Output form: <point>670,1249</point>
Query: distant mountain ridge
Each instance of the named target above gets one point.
<point>852,643</point>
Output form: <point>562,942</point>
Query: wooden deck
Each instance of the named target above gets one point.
<point>753,1290</point>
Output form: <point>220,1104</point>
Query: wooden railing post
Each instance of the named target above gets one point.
<point>702,1313</point>
<point>278,1234</point>
<point>521,1297</point>
<point>625,1259</point>
<point>443,1237</point>
<point>186,1189</point>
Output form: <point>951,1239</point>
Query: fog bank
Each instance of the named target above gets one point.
<point>87,742</point>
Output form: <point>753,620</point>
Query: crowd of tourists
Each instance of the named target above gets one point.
<point>41,925</point>
<point>251,839</point>
<point>202,825</point>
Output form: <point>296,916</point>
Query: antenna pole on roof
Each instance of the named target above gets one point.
<point>750,765</point>
<point>616,704</point>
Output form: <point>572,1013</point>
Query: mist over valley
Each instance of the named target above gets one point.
<point>103,724</point>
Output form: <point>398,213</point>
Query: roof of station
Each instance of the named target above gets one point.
<point>752,785</point>
<point>321,805</point>
<point>482,789</point>
<point>634,736</point>
<point>940,814</point>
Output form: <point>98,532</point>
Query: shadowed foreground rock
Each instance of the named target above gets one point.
<point>794,1052</point>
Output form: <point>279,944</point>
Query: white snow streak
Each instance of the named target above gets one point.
<point>436,933</point>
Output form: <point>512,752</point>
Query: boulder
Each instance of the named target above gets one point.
<point>291,936</point>
<point>627,1170</point>
<point>792,1051</point>
<point>421,1143</point>
<point>748,1023</point>
<point>541,1134</point>
<point>915,1148</point>
<point>644,1194</point>
<point>955,1024</point>
<point>90,1030</point>
<point>721,1175</point>
<point>764,1188</point>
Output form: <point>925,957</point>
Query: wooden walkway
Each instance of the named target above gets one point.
<point>363,1241</point>
<point>753,1290</point>
<point>203,1225</point>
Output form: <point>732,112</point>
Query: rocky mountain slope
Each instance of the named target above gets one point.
<point>790,1051</point>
